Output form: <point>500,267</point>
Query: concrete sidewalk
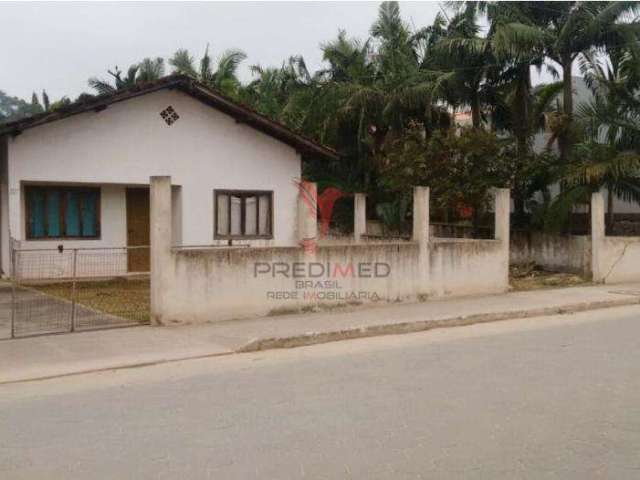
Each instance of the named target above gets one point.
<point>59,355</point>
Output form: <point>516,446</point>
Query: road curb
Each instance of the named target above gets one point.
<point>315,338</point>
<point>108,368</point>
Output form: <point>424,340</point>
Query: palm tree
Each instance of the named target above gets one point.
<point>148,70</point>
<point>611,125</point>
<point>467,55</point>
<point>377,88</point>
<point>609,155</point>
<point>564,31</point>
<point>369,93</point>
<point>224,78</point>
<point>387,88</point>
<point>273,88</point>
<point>46,105</point>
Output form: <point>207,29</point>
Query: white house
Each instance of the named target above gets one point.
<point>78,177</point>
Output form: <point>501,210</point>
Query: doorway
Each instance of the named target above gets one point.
<point>138,229</point>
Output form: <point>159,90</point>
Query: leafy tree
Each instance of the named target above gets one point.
<point>460,167</point>
<point>467,55</point>
<point>565,31</point>
<point>14,108</point>
<point>148,70</point>
<point>223,78</point>
<point>273,88</point>
<point>371,92</point>
<point>608,157</point>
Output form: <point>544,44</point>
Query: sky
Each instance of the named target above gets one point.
<point>58,46</point>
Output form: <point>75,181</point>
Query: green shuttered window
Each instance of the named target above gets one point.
<point>62,212</point>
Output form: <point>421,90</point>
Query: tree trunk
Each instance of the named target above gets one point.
<point>521,129</point>
<point>611,214</point>
<point>520,215</point>
<point>476,119</point>
<point>564,139</point>
<point>521,123</point>
<point>567,92</point>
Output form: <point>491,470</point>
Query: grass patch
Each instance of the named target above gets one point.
<point>126,298</point>
<point>533,277</point>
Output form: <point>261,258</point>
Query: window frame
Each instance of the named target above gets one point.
<point>63,189</point>
<point>243,194</point>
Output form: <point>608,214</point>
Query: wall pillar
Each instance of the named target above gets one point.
<point>359,216</point>
<point>421,214</point>
<point>420,234</point>
<point>308,216</point>
<point>160,249</point>
<point>502,209</point>
<point>598,233</point>
<point>502,227</point>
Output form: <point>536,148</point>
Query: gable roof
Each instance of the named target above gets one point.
<point>191,87</point>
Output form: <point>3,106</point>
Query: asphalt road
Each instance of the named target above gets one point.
<point>554,397</point>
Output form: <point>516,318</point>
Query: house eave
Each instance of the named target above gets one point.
<point>241,113</point>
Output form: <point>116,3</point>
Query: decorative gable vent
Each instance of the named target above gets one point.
<point>169,115</point>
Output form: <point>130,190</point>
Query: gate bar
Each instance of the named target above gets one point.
<point>73,291</point>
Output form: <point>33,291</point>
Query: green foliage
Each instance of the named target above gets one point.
<point>563,31</point>
<point>393,214</point>
<point>14,108</point>
<point>608,157</point>
<point>148,70</point>
<point>223,78</point>
<point>460,167</point>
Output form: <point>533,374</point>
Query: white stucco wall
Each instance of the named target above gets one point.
<point>128,142</point>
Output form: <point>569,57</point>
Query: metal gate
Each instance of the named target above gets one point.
<point>68,290</point>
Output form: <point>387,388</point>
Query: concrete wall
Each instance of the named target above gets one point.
<point>222,284</point>
<point>203,285</point>
<point>615,259</point>
<point>563,253</point>
<point>128,142</point>
<point>618,260</point>
<point>460,267</point>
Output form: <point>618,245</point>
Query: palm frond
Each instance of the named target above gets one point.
<point>183,63</point>
<point>150,69</point>
<point>227,67</point>
<point>101,86</point>
<point>515,39</point>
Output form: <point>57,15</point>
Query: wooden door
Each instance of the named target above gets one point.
<point>138,229</point>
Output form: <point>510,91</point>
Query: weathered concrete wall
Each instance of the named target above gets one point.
<point>467,267</point>
<point>614,259</point>
<point>204,285</point>
<point>619,260</point>
<point>221,284</point>
<point>565,253</point>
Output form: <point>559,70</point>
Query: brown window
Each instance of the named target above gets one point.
<point>243,214</point>
<point>62,212</point>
